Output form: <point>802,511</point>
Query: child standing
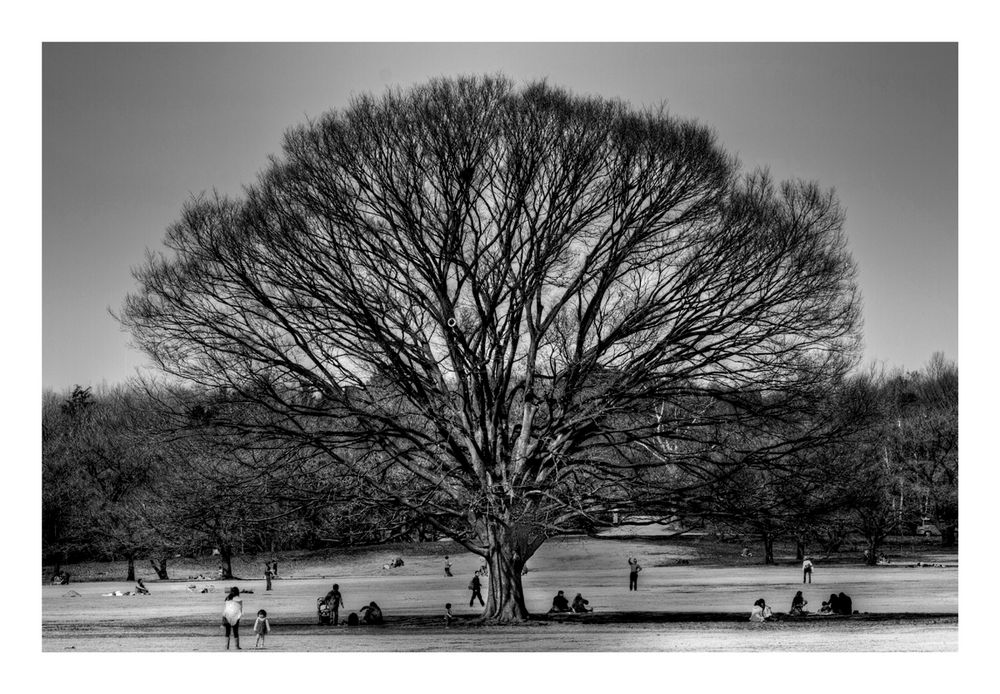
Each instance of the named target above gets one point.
<point>447,566</point>
<point>261,627</point>
<point>448,616</point>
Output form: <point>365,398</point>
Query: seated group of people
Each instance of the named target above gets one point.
<point>561,604</point>
<point>837,604</point>
<point>327,611</point>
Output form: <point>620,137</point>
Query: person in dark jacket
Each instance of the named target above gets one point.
<point>560,603</point>
<point>335,600</point>
<point>372,613</point>
<point>580,604</point>
<point>798,604</point>
<point>476,587</point>
<point>834,604</point>
<point>844,605</point>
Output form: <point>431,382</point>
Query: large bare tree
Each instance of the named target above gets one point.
<point>505,310</point>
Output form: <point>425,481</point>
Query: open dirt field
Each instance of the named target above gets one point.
<point>677,608</point>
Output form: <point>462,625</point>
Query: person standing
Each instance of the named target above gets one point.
<point>231,614</point>
<point>335,600</point>
<point>447,566</point>
<point>807,571</point>
<point>449,618</point>
<point>633,574</point>
<point>268,574</point>
<point>476,587</point>
<point>261,627</point>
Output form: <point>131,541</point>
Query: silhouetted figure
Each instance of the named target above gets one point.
<point>476,587</point>
<point>633,574</point>
<point>335,601</point>
<point>798,604</point>
<point>580,605</point>
<point>559,603</point>
<point>844,604</point>
<point>372,613</point>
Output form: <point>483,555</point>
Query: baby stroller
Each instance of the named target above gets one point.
<point>323,611</point>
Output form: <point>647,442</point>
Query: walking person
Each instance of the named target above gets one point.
<point>633,574</point>
<point>475,586</point>
<point>231,614</point>
<point>447,566</point>
<point>335,601</point>
<point>807,571</point>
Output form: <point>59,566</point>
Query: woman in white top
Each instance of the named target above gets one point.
<point>761,612</point>
<point>231,614</point>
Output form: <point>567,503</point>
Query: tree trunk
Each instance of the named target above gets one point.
<point>874,545</point>
<point>227,562</point>
<point>948,535</point>
<point>161,570</point>
<point>800,549</point>
<point>768,548</point>
<point>131,568</point>
<point>505,602</point>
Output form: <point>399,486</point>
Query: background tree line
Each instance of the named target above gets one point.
<point>124,478</point>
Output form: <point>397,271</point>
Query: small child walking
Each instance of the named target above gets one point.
<point>261,627</point>
<point>447,566</point>
<point>448,616</point>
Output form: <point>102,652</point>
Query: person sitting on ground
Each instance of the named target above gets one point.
<point>825,608</point>
<point>844,605</point>
<point>352,619</point>
<point>834,604</point>
<point>798,605</point>
<point>372,613</point>
<point>580,605</point>
<point>141,588</point>
<point>761,612</point>
<point>560,603</point>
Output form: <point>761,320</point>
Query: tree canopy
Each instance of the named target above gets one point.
<point>507,310</point>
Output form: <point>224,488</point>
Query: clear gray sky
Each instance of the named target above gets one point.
<point>130,131</point>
